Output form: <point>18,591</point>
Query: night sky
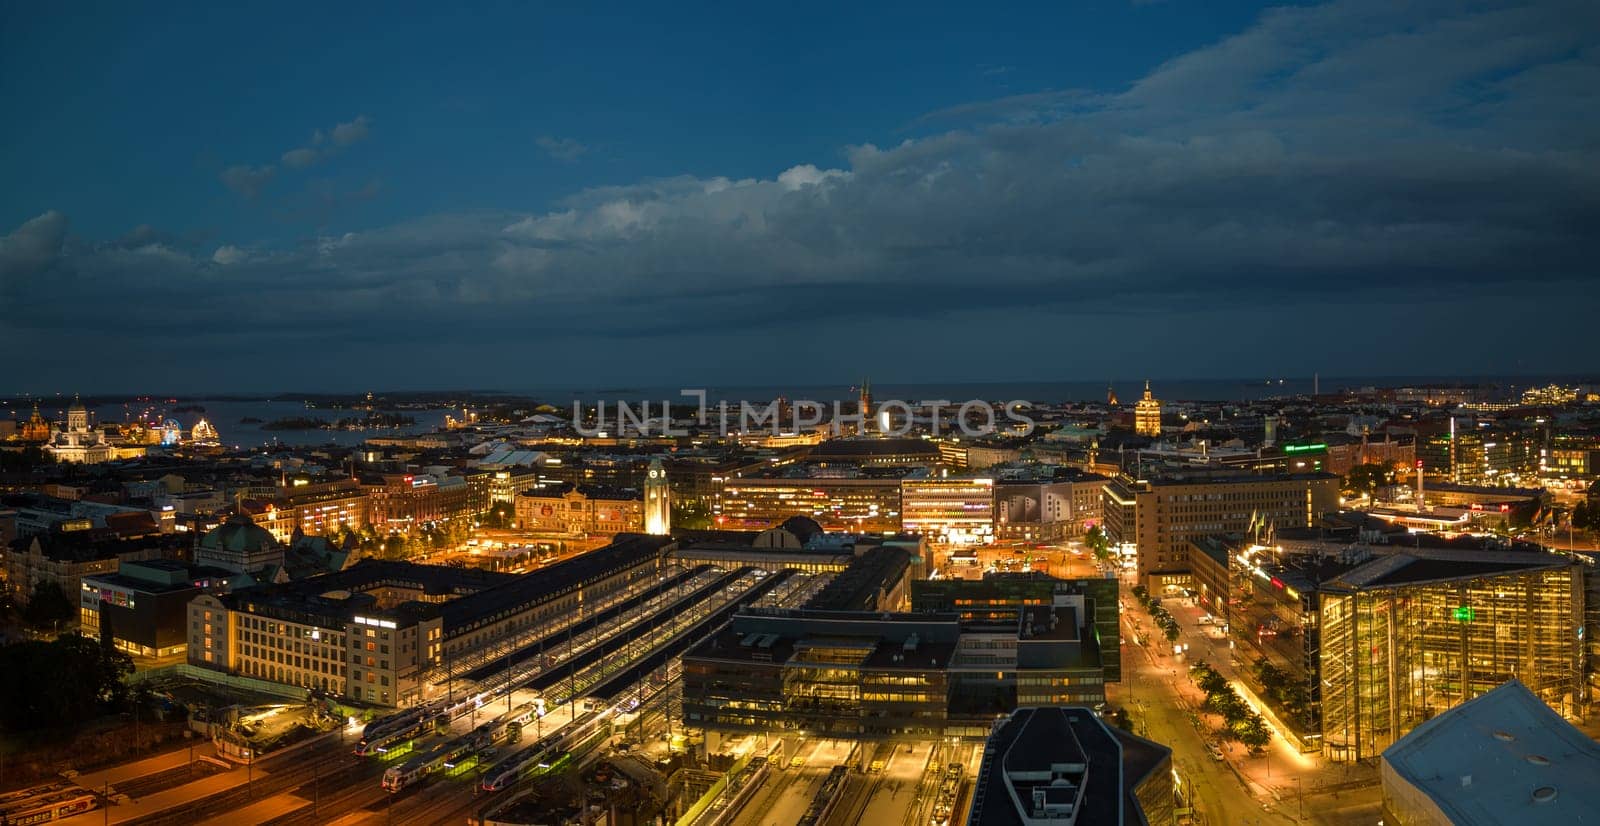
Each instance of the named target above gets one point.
<point>343,197</point>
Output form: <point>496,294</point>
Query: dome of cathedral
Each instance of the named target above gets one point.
<point>239,535</point>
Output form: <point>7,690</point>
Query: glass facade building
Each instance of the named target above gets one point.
<point>1406,637</point>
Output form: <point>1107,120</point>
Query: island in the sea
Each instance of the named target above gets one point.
<point>367,422</point>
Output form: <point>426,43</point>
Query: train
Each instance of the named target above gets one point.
<point>440,756</point>
<point>546,750</point>
<point>386,743</point>
<point>43,804</point>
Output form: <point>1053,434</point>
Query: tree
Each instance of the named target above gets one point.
<point>1252,731</point>
<point>499,516</point>
<point>49,606</point>
<point>69,681</point>
<point>1099,544</point>
<point>1171,632</point>
<point>1365,479</point>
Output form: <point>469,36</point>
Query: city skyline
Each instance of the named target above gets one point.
<point>583,193</point>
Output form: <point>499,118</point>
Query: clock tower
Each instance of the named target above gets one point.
<point>657,501</point>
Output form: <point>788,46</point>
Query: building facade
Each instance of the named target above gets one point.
<point>954,510</point>
<point>1161,517</point>
<point>580,509</point>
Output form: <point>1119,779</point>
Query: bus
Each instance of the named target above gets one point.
<point>964,556</point>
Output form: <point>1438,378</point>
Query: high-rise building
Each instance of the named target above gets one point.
<point>1147,414</point>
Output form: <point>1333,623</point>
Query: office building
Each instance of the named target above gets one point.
<point>955,510</point>
<point>1501,758</point>
<point>1368,640</point>
<point>375,631</point>
<point>1160,517</point>
<point>143,607</point>
<point>1063,766</point>
<point>1048,510</point>
<point>848,499</point>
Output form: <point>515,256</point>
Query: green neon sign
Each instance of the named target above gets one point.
<point>1465,614</point>
<point>1305,448</point>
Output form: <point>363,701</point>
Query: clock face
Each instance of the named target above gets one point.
<point>652,474</point>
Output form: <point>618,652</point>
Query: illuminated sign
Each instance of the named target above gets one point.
<point>1464,614</point>
<point>377,623</point>
<point>1304,448</point>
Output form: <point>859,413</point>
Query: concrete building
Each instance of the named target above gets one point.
<point>143,607</point>
<point>376,630</point>
<point>1047,511</point>
<point>1160,517</point>
<point>1063,766</point>
<point>855,500</point>
<point>1502,757</point>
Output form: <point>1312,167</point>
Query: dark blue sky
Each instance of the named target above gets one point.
<point>518,196</point>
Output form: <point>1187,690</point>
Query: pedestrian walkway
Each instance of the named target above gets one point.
<point>162,801</point>
<point>140,768</point>
<point>261,811</point>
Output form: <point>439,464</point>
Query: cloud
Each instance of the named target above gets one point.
<point>301,158</point>
<point>562,149</point>
<point>228,254</point>
<point>248,180</point>
<point>355,131</point>
<point>33,246</point>
<point>1324,161</point>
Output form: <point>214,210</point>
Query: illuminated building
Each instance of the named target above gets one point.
<point>1503,757</point>
<point>880,452</point>
<point>65,557</point>
<point>239,545</point>
<point>143,607</point>
<point>379,631</point>
<point>1481,456</point>
<point>404,502</point>
<point>867,501</point>
<point>1407,636</point>
<point>952,510</point>
<point>1064,766</point>
<point>1379,638</point>
<point>1041,511</point>
<point>1147,414</point>
<point>846,666</point>
<point>81,443</point>
<point>204,433</point>
<point>1160,517</point>
<point>657,501</point>
<point>35,429</point>
<point>580,509</point>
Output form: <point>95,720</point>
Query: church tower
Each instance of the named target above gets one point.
<point>657,501</point>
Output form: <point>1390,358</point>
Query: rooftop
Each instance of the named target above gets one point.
<point>1502,757</point>
<point>1064,764</point>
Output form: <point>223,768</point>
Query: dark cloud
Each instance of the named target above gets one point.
<point>1329,157</point>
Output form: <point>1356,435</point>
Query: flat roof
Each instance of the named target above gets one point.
<point>1501,757</point>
